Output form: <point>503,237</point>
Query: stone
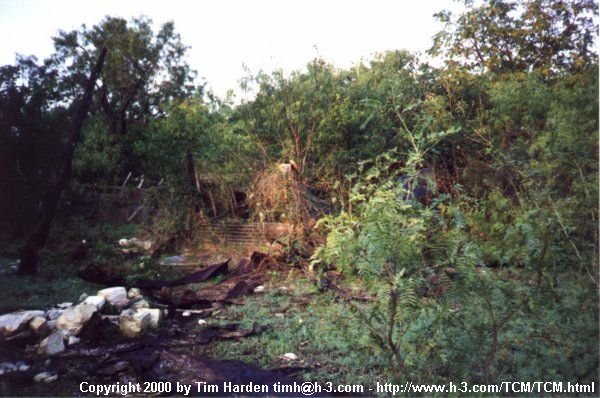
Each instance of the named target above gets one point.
<point>51,325</point>
<point>186,313</point>
<point>98,301</point>
<point>22,366</point>
<point>115,296</point>
<point>45,377</point>
<point>202,322</point>
<point>73,319</point>
<point>54,314</point>
<point>41,376</point>
<point>39,326</point>
<point>52,344</point>
<point>259,289</point>
<point>51,379</point>
<point>134,292</point>
<point>12,324</point>
<point>136,243</point>
<point>64,305</point>
<point>83,297</point>
<point>133,323</point>
<point>289,356</point>
<point>140,304</point>
<point>73,340</point>
<point>155,314</point>
<point>7,367</point>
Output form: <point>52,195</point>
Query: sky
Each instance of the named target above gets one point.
<point>228,38</point>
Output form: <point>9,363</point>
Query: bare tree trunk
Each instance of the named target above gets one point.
<point>29,253</point>
<point>191,169</point>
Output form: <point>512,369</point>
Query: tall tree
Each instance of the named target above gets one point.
<point>29,253</point>
<point>550,36</point>
<point>143,70</point>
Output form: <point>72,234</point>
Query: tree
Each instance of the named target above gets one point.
<point>143,71</point>
<point>32,120</point>
<point>549,36</point>
<point>29,253</point>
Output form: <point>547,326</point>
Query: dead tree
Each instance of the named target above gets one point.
<point>29,253</point>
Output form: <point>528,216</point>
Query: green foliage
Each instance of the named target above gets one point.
<point>548,36</point>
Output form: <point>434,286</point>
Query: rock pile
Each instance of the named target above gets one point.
<point>58,327</point>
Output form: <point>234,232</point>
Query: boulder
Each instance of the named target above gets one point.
<point>12,324</point>
<point>140,304</point>
<point>133,323</point>
<point>98,301</point>
<point>73,319</point>
<point>52,344</point>
<point>134,292</point>
<point>53,314</point>
<point>39,326</point>
<point>155,314</point>
<point>115,296</point>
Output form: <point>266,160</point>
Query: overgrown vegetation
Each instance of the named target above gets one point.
<point>463,198</point>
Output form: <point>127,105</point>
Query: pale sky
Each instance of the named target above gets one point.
<point>225,35</point>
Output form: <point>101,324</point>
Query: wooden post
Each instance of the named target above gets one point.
<point>29,253</point>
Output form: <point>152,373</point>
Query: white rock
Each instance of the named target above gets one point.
<point>186,313</point>
<point>83,297</point>
<point>73,319</point>
<point>155,314</point>
<point>133,323</point>
<point>11,324</point>
<point>290,356</point>
<point>51,379</point>
<point>98,301</point>
<point>135,242</point>
<point>52,344</point>
<point>65,305</point>
<point>22,367</point>
<point>134,292</point>
<point>202,322</point>
<point>54,314</point>
<point>140,304</point>
<point>42,376</point>
<point>39,325</point>
<point>259,289</point>
<point>279,315</point>
<point>115,296</point>
<point>6,366</point>
<point>73,340</point>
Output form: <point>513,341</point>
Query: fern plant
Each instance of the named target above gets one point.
<point>402,249</point>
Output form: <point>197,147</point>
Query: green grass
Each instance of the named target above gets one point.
<point>298,318</point>
<point>314,326</point>
<point>57,279</point>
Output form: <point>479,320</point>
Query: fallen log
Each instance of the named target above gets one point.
<point>199,276</point>
<point>102,351</point>
<point>95,274</point>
